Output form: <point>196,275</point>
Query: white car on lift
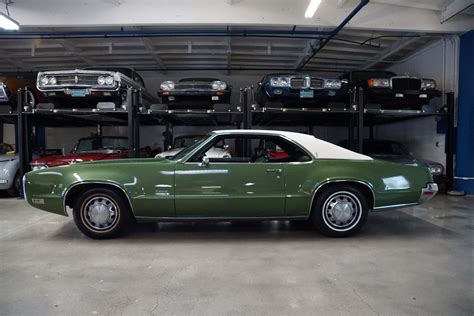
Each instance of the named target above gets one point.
<point>181,142</point>
<point>9,170</point>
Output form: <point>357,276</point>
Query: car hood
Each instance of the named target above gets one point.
<point>53,161</point>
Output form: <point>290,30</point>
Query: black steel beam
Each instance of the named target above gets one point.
<point>360,120</point>
<point>24,131</point>
<point>334,32</point>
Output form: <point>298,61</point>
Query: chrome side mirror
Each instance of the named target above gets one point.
<point>204,161</point>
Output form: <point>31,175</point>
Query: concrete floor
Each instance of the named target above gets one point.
<point>416,261</point>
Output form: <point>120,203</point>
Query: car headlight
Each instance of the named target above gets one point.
<point>379,83</point>
<point>218,85</point>
<point>38,167</point>
<point>167,85</point>
<point>52,80</point>
<point>109,80</point>
<point>44,81</point>
<point>101,80</point>
<point>332,84</point>
<point>428,84</point>
<point>436,169</point>
<point>280,82</point>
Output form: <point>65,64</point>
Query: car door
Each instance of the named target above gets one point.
<point>235,186</point>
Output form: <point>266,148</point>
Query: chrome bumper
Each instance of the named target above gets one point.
<point>24,187</point>
<point>428,192</point>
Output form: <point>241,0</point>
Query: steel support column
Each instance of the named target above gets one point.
<point>24,132</point>
<point>360,120</point>
<point>132,108</point>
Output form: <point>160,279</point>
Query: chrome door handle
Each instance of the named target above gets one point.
<point>279,171</point>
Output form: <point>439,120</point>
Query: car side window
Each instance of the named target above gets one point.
<point>251,149</point>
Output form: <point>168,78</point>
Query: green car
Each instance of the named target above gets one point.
<point>268,175</point>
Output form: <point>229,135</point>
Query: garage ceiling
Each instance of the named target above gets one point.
<point>355,47</point>
<point>349,50</point>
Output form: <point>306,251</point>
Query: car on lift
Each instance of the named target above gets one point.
<point>394,151</point>
<point>388,90</point>
<point>333,187</point>
<point>195,93</point>
<point>182,142</point>
<point>295,90</point>
<point>10,180</point>
<point>8,93</point>
<point>102,88</point>
<point>87,149</point>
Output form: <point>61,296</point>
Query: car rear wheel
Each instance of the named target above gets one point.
<point>340,211</point>
<point>101,213</point>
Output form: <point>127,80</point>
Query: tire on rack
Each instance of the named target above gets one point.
<point>101,213</point>
<point>339,210</point>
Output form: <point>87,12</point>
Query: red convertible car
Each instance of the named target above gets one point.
<point>87,149</point>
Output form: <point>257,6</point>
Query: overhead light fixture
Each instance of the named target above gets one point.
<point>312,7</point>
<point>8,23</point>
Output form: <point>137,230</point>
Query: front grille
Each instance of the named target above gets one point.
<point>317,83</point>
<point>77,80</point>
<point>191,86</point>
<point>406,84</point>
<point>297,83</point>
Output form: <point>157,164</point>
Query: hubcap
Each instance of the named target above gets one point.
<point>100,213</point>
<point>342,211</point>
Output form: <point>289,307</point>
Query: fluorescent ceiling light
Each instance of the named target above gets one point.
<point>312,7</point>
<point>8,23</point>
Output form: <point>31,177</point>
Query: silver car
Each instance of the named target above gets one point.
<point>9,170</point>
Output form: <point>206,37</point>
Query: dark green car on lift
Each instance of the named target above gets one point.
<point>269,175</point>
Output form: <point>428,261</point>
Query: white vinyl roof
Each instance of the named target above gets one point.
<point>320,149</point>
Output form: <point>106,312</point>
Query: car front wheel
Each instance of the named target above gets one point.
<point>101,213</point>
<point>340,211</point>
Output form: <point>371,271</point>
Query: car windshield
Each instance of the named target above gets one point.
<point>365,75</point>
<point>198,80</point>
<point>189,149</point>
<point>4,148</point>
<point>384,148</point>
<point>186,141</point>
<point>101,144</point>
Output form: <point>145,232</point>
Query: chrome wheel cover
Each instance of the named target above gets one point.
<point>342,211</point>
<point>100,213</point>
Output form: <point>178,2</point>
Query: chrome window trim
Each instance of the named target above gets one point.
<point>66,191</point>
<point>336,181</point>
<point>214,135</point>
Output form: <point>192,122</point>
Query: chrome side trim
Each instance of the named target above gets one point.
<point>65,192</point>
<point>390,207</point>
<point>147,219</point>
<point>336,181</point>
